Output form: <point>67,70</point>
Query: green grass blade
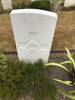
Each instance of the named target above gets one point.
<point>68,83</point>
<point>65,62</point>
<point>57,65</point>
<point>71,92</point>
<point>70,57</point>
<point>72,97</point>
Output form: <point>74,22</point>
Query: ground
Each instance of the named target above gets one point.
<point>6,36</point>
<point>65,31</point>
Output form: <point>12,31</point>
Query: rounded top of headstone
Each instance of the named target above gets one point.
<point>34,11</point>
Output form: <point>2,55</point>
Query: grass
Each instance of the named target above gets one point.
<point>18,79</point>
<point>6,36</point>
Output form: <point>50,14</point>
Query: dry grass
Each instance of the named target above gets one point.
<point>65,31</point>
<point>6,36</point>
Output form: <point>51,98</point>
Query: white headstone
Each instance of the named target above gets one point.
<point>33,31</point>
<point>69,3</point>
<point>7,4</point>
<point>33,0</point>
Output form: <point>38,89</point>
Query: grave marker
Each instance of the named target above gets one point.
<point>7,4</point>
<point>69,3</point>
<point>33,31</point>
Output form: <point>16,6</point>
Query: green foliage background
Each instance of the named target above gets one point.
<point>41,4</point>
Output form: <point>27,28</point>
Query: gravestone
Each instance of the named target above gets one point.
<point>69,3</point>
<point>33,32</point>
<point>7,4</point>
<point>33,0</point>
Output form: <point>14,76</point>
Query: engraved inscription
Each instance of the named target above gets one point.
<point>32,32</point>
